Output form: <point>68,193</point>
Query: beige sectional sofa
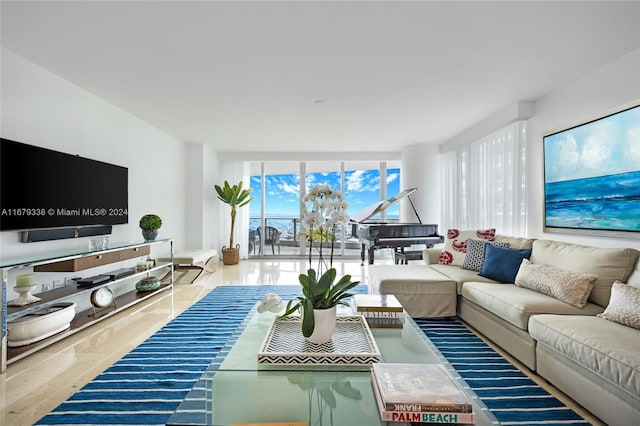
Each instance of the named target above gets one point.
<point>594,360</point>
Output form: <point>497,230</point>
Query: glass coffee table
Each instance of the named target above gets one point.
<point>236,389</point>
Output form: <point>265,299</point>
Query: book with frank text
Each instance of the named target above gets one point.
<point>406,387</point>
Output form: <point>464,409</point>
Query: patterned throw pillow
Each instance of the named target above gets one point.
<point>624,305</point>
<point>455,246</point>
<point>474,259</point>
<point>569,287</point>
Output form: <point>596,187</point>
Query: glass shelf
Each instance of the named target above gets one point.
<point>71,291</point>
<point>73,253</point>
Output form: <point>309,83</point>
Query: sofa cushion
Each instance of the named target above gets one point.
<point>570,287</point>
<point>609,264</point>
<point>460,275</point>
<point>624,305</point>
<point>515,242</point>
<point>455,246</point>
<point>502,264</point>
<point>474,258</point>
<point>610,350</point>
<point>516,304</point>
<point>422,291</point>
<point>408,279</point>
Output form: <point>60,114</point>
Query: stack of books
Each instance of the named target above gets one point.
<point>420,393</point>
<point>380,310</point>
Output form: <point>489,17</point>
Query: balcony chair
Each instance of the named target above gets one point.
<point>271,238</point>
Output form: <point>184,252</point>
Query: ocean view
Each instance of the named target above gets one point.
<point>286,225</point>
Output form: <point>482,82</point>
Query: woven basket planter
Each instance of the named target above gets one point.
<point>231,255</point>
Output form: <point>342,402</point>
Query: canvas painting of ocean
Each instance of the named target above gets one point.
<point>604,202</point>
<point>592,174</point>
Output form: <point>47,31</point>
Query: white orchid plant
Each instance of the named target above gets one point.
<point>325,210</point>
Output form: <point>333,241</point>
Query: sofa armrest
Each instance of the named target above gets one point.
<point>430,256</point>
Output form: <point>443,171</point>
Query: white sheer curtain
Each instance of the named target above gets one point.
<point>484,183</point>
<point>234,172</point>
<point>454,193</point>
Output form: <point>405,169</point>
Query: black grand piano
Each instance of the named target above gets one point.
<point>377,235</point>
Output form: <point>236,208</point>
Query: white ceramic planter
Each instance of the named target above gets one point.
<point>325,324</point>
<point>40,324</point>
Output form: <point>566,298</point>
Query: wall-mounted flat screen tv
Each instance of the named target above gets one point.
<point>592,176</point>
<point>42,188</point>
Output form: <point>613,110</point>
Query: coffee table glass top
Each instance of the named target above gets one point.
<point>236,389</point>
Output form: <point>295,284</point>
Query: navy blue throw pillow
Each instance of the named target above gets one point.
<point>502,264</point>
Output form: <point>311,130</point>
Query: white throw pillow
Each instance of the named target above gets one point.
<point>569,287</point>
<point>624,305</point>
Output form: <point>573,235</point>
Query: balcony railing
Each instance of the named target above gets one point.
<point>291,233</point>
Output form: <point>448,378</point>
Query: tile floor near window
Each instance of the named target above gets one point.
<point>35,385</point>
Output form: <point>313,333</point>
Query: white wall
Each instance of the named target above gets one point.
<point>40,108</point>
<point>202,214</point>
<point>596,93</point>
<point>420,168</point>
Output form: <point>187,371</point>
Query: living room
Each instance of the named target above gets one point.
<point>48,101</point>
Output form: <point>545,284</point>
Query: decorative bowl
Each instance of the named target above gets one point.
<point>40,324</point>
<point>148,284</point>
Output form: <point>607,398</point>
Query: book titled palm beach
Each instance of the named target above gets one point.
<point>424,393</point>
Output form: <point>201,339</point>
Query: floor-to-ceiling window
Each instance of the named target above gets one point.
<point>274,220</point>
<point>393,187</point>
<point>280,185</point>
<point>324,173</point>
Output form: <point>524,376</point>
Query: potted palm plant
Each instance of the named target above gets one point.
<point>150,223</point>
<point>235,197</point>
<point>320,293</point>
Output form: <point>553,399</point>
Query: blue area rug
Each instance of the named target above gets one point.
<point>146,386</point>
<point>512,397</point>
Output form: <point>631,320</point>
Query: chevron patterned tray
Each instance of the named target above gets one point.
<point>351,344</point>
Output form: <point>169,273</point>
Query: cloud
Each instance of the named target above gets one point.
<point>355,180</point>
<point>596,151</point>
<point>392,177</point>
<point>568,155</point>
<point>310,178</point>
<point>290,188</point>
<point>632,146</point>
<point>362,180</point>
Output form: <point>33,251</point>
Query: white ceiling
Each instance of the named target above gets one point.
<point>318,76</point>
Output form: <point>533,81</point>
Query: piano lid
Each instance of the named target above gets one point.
<point>380,206</point>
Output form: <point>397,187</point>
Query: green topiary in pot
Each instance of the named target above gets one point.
<point>150,223</point>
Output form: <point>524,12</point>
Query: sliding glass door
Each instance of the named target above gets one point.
<point>280,185</point>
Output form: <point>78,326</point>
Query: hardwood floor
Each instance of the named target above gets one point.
<point>37,384</point>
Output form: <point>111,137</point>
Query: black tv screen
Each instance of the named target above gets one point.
<point>41,188</point>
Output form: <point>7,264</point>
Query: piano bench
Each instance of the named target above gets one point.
<point>403,257</point>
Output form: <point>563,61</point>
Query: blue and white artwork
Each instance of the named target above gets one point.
<point>592,174</point>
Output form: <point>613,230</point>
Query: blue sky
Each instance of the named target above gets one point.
<point>603,147</point>
<point>362,188</point>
